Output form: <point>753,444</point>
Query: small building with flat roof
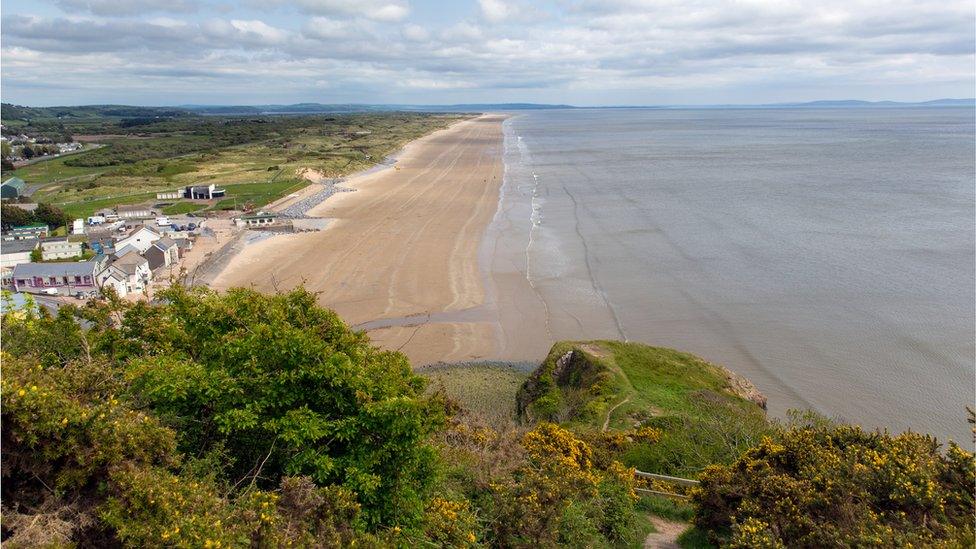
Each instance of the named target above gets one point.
<point>22,232</point>
<point>257,219</point>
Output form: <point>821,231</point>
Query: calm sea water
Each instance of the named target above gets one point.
<point>827,255</point>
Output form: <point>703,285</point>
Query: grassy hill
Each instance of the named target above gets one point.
<point>706,413</point>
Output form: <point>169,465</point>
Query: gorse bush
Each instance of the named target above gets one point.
<point>166,419</point>
<point>820,485</point>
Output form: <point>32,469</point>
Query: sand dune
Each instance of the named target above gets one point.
<point>403,247</point>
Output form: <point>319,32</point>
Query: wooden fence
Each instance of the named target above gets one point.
<point>677,481</point>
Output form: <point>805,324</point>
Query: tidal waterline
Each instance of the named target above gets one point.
<point>826,254</point>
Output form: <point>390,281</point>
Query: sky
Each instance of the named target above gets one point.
<point>580,52</point>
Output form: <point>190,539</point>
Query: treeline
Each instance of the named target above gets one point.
<point>52,216</point>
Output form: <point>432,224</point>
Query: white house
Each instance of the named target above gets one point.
<point>140,239</point>
<point>60,249</point>
<point>78,226</point>
<point>131,269</point>
<point>163,253</point>
<point>15,252</point>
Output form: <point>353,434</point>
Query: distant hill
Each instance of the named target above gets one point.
<point>857,103</point>
<point>313,108</point>
<point>10,111</point>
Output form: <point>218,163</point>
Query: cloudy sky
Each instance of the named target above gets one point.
<point>584,52</point>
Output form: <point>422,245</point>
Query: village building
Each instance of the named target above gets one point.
<point>15,252</point>
<point>170,195</point>
<point>134,212</point>
<point>184,245</point>
<point>13,188</point>
<point>132,269</point>
<point>24,232</point>
<point>60,249</point>
<point>204,192</point>
<point>139,239</point>
<point>163,253</point>
<point>258,219</point>
<point>68,278</point>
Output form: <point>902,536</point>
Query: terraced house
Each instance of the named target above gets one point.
<point>67,278</point>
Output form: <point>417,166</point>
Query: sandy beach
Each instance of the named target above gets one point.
<point>400,256</point>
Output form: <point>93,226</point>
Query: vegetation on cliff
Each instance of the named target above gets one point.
<point>241,419</point>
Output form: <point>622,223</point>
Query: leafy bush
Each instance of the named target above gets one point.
<point>541,488</point>
<point>820,485</point>
<point>264,414</point>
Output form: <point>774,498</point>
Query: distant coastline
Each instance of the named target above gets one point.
<point>349,108</point>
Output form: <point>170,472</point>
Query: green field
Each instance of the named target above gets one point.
<point>258,194</point>
<point>49,171</point>
<point>183,208</point>
<point>256,159</point>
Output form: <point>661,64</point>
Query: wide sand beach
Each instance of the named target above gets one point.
<point>400,256</point>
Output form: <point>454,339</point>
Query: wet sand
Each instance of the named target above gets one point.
<point>401,253</point>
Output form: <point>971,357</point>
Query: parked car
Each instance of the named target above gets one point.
<point>50,291</point>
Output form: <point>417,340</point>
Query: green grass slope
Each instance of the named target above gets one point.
<point>706,413</point>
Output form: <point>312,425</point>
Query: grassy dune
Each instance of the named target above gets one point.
<point>176,153</point>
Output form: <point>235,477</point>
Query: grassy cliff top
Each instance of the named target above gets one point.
<point>705,413</point>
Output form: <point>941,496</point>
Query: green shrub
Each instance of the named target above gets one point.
<point>838,486</point>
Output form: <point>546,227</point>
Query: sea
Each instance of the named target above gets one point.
<point>827,254</point>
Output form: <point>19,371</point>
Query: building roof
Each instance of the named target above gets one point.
<point>164,243</point>
<point>68,268</point>
<point>135,230</point>
<point>18,246</point>
<point>259,215</point>
<point>16,183</point>
<point>129,263</point>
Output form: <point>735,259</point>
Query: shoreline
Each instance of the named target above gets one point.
<point>400,257</point>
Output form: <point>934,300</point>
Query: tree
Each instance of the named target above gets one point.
<point>27,152</point>
<point>5,149</point>
<point>12,216</point>
<point>36,256</point>
<point>286,389</point>
<point>51,215</point>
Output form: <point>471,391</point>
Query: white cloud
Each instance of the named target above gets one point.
<point>432,84</point>
<point>377,10</point>
<point>415,33</point>
<point>361,47</point>
<point>495,10</point>
<point>259,29</point>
